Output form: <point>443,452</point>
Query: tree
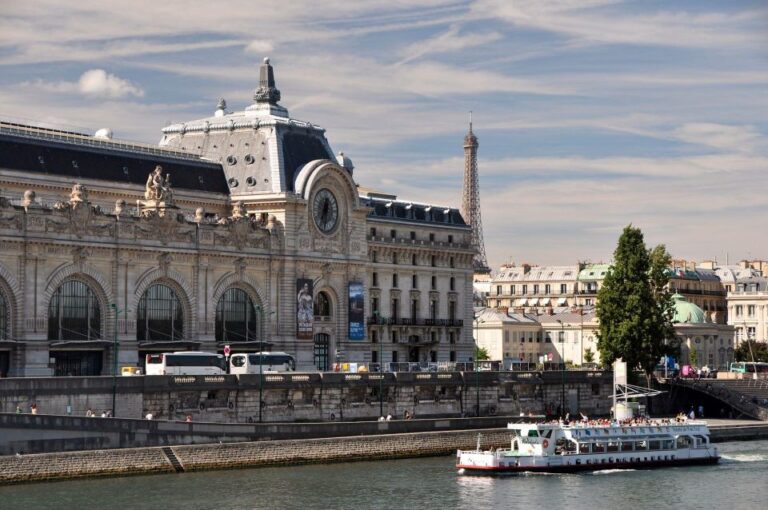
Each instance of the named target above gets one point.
<point>693,357</point>
<point>746,350</point>
<point>634,306</point>
<point>481,353</point>
<point>589,356</point>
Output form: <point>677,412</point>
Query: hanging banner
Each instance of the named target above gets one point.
<point>304,308</point>
<point>356,311</point>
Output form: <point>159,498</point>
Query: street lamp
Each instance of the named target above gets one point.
<point>477,321</point>
<point>561,340</point>
<point>114,355</point>
<point>261,359</point>
<point>381,366</point>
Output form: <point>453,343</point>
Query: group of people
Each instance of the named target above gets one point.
<point>90,413</point>
<point>32,408</point>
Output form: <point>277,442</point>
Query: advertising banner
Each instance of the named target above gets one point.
<point>304,308</point>
<point>356,311</point>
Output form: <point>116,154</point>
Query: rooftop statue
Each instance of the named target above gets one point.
<point>158,188</point>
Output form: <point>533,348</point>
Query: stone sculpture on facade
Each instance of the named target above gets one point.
<point>158,195</point>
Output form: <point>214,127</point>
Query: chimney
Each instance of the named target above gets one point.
<point>550,311</point>
<point>526,268</point>
<point>519,309</point>
<point>503,309</point>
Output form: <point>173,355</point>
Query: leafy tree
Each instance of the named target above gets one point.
<point>694,357</point>
<point>589,356</point>
<point>746,350</point>
<point>481,353</point>
<point>634,306</point>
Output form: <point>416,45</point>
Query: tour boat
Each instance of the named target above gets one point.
<point>555,447</point>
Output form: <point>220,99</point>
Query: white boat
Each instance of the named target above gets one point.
<point>554,447</point>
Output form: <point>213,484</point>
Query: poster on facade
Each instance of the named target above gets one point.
<point>304,308</point>
<point>356,311</point>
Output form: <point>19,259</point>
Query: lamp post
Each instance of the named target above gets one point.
<point>261,360</point>
<point>381,366</point>
<point>561,340</point>
<point>475,322</point>
<point>114,356</point>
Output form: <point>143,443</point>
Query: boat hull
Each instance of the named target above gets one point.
<point>576,468</point>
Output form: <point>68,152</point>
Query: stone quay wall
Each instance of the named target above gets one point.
<point>309,397</point>
<point>130,461</point>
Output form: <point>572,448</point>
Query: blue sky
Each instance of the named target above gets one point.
<point>591,114</point>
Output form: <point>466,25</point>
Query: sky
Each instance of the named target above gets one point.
<point>591,114</point>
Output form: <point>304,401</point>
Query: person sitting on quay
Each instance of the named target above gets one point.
<point>89,413</point>
<point>33,408</point>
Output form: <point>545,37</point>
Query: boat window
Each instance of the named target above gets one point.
<point>598,448</point>
<point>548,434</point>
<point>669,444</point>
<point>584,447</point>
<point>683,442</point>
<point>641,445</point>
<point>533,433</point>
<point>626,446</point>
<point>613,446</point>
<point>654,445</point>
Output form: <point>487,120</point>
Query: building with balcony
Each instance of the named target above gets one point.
<point>241,229</point>
<point>748,309</point>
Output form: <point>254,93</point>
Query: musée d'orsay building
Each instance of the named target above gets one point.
<point>240,229</point>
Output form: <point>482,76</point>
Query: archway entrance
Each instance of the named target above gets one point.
<point>321,354</point>
<point>77,363</point>
<point>5,363</point>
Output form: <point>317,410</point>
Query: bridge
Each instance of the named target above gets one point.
<point>748,397</point>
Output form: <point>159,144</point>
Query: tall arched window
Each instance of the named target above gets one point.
<point>322,305</point>
<point>160,315</point>
<point>236,319</point>
<point>74,313</point>
<point>4,318</point>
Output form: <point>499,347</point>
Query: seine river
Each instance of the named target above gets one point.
<point>739,481</point>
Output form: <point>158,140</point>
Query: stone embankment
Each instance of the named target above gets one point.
<point>131,461</point>
<point>169,459</point>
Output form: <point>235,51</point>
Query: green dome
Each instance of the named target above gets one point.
<point>687,312</point>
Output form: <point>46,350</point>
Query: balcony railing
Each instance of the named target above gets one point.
<point>409,321</point>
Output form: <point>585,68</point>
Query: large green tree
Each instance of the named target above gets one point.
<point>752,351</point>
<point>634,306</point>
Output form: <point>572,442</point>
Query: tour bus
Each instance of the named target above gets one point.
<point>186,363</point>
<point>748,367</point>
<point>248,363</point>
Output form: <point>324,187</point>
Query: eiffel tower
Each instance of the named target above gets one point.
<point>470,200</point>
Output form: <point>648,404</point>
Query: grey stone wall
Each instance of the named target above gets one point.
<point>299,397</point>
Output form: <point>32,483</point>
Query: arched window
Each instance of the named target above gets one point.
<point>322,305</point>
<point>236,319</point>
<point>74,313</point>
<point>4,318</point>
<point>160,315</point>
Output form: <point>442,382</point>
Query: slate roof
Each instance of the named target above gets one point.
<point>79,156</point>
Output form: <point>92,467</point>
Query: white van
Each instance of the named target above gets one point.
<point>248,363</point>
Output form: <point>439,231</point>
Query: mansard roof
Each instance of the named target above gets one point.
<point>79,156</point>
<point>412,212</point>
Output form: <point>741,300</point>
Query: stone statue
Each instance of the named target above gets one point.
<point>78,196</point>
<point>238,211</point>
<point>158,188</point>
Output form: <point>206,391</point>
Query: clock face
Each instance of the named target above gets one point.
<point>325,210</point>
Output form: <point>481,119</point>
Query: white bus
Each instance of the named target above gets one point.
<point>269,361</point>
<point>186,363</point>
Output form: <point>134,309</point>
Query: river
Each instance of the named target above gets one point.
<point>740,481</point>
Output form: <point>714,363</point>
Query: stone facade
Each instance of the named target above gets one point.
<point>233,215</point>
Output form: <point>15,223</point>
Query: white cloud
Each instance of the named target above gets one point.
<point>719,136</point>
<point>586,21</point>
<point>97,82</point>
<point>259,47</point>
<point>450,41</point>
<point>94,83</point>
